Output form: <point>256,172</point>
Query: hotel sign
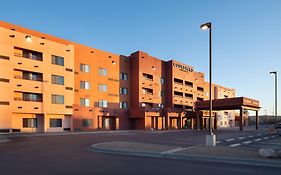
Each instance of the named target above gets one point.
<point>183,67</point>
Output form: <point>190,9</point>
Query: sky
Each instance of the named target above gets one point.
<point>246,34</point>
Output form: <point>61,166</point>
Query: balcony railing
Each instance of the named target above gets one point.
<point>28,78</point>
<point>27,99</point>
<point>29,56</point>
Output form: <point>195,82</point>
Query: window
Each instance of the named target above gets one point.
<point>87,122</point>
<point>147,91</point>
<point>57,99</point>
<point>102,71</point>
<point>57,60</point>
<point>84,67</point>
<point>55,122</point>
<point>30,54</point>
<point>200,88</point>
<point>103,103</point>
<point>32,76</point>
<point>147,76</point>
<point>84,85</point>
<point>32,97</point>
<point>123,90</point>
<point>162,93</point>
<point>123,76</point>
<point>29,122</point>
<point>102,87</point>
<point>162,80</point>
<point>84,102</point>
<point>123,105</point>
<point>56,79</point>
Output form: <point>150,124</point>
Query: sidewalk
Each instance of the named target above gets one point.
<point>219,153</point>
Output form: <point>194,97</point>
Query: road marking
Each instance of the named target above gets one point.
<point>265,138</point>
<point>257,140</point>
<point>235,145</point>
<point>251,136</point>
<point>247,142</point>
<point>228,140</point>
<point>240,138</point>
<point>273,136</point>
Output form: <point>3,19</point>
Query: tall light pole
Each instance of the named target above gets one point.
<point>210,139</point>
<point>275,73</point>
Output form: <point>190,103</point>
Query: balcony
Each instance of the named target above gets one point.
<point>32,78</point>
<point>30,54</point>
<point>147,77</point>
<point>27,99</point>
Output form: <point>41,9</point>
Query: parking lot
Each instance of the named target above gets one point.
<point>71,153</point>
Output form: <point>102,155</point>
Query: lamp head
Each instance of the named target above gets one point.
<point>206,26</point>
<point>273,72</point>
<point>28,38</point>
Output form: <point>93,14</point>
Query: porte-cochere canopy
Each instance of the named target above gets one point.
<point>237,103</point>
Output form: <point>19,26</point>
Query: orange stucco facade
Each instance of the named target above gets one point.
<point>48,84</point>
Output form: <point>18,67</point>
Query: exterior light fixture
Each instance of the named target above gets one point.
<point>211,138</point>
<point>92,51</point>
<point>42,43</point>
<point>68,50</point>
<point>153,67</point>
<point>275,74</point>
<point>205,26</point>
<point>43,37</point>
<point>12,36</point>
<point>13,29</point>
<point>113,62</point>
<point>28,38</point>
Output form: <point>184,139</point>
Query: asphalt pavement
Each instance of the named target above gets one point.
<point>72,153</point>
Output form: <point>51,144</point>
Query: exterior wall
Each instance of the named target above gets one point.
<point>11,115</point>
<point>114,64</point>
<point>161,94</point>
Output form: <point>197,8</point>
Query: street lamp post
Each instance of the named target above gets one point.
<point>275,73</point>
<point>210,139</point>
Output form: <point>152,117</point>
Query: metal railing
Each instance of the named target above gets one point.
<point>29,56</point>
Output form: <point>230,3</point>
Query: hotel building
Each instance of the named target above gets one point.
<point>48,84</point>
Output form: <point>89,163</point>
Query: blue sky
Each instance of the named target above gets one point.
<point>246,34</point>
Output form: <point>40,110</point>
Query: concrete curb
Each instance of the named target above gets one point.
<point>219,159</point>
<point>60,133</point>
<point>96,148</point>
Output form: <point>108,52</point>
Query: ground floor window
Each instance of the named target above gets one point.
<point>54,122</point>
<point>87,122</point>
<point>29,122</point>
